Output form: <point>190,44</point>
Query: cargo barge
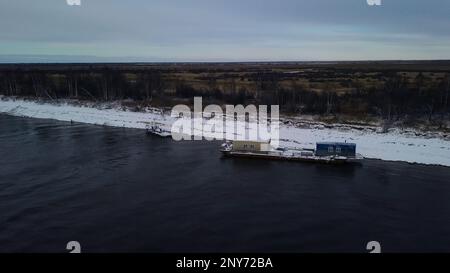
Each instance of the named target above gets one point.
<point>325,152</point>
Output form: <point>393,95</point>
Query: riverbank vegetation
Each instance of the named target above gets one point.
<point>393,93</point>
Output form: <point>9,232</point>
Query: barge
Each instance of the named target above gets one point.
<point>325,152</point>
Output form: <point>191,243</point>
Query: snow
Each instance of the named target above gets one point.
<point>395,145</point>
<point>104,115</point>
<point>386,146</point>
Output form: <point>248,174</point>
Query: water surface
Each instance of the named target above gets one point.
<point>118,190</point>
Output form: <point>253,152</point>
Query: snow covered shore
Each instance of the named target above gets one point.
<point>395,145</point>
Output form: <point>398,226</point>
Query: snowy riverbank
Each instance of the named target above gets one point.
<point>395,145</point>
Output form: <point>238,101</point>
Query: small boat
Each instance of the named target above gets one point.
<point>157,130</point>
<point>326,152</point>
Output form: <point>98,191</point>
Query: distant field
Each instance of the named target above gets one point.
<point>317,76</point>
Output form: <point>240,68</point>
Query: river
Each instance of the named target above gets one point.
<point>119,190</point>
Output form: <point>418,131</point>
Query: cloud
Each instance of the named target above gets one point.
<point>231,29</point>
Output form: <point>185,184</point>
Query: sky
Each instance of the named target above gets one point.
<point>223,30</point>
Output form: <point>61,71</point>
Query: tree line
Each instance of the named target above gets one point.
<point>398,98</point>
<point>100,85</point>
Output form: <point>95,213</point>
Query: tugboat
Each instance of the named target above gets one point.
<point>325,152</point>
<point>157,129</point>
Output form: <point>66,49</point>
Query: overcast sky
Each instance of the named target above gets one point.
<point>224,30</point>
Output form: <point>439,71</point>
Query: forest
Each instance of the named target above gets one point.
<point>410,93</point>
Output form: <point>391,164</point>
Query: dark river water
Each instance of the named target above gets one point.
<point>118,190</point>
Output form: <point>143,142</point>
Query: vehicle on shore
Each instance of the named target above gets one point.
<point>158,130</point>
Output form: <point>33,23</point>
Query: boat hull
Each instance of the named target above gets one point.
<point>162,135</point>
<point>296,158</point>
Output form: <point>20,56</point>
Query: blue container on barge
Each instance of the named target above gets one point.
<point>336,148</point>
